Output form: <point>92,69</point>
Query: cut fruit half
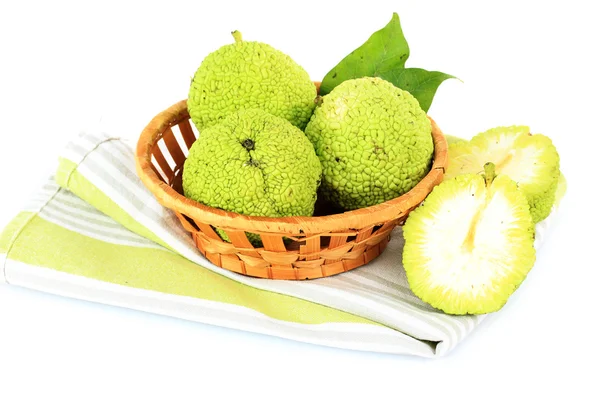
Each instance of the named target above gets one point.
<point>530,160</point>
<point>469,245</point>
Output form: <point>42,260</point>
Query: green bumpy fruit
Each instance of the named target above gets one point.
<point>470,244</point>
<point>253,163</point>
<point>374,142</point>
<point>246,75</point>
<point>530,160</point>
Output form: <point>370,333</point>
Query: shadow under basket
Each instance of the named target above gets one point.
<point>294,248</point>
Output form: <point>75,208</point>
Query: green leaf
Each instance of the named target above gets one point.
<point>419,82</point>
<point>385,50</point>
<point>384,55</point>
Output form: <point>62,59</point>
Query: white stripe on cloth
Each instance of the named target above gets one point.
<point>63,208</point>
<point>452,328</point>
<point>85,228</point>
<point>37,201</point>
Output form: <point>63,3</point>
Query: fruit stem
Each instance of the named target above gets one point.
<point>489,173</point>
<point>237,35</point>
<point>248,144</point>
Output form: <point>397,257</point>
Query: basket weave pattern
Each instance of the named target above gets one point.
<point>314,247</point>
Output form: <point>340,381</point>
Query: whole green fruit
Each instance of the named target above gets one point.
<point>374,142</point>
<point>253,163</point>
<point>246,75</point>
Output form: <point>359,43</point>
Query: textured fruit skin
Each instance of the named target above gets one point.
<point>536,170</point>
<point>374,142</point>
<point>246,75</point>
<point>454,139</point>
<point>476,279</point>
<point>255,164</point>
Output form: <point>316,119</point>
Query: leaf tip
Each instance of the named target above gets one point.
<point>395,20</point>
<point>448,76</point>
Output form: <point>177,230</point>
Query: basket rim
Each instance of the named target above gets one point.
<point>342,222</point>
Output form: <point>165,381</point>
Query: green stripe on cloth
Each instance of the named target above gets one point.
<point>48,245</point>
<point>68,177</point>
<point>11,231</point>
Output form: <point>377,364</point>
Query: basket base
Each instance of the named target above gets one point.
<point>253,267</point>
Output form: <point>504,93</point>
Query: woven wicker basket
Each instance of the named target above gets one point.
<point>320,245</point>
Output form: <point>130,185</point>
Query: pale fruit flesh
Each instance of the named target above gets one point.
<point>470,245</point>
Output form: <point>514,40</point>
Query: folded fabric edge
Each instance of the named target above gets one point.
<point>345,335</point>
<point>69,178</point>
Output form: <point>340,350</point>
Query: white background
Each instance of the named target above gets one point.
<point>67,67</point>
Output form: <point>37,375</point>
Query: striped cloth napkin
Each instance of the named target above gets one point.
<point>94,232</point>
